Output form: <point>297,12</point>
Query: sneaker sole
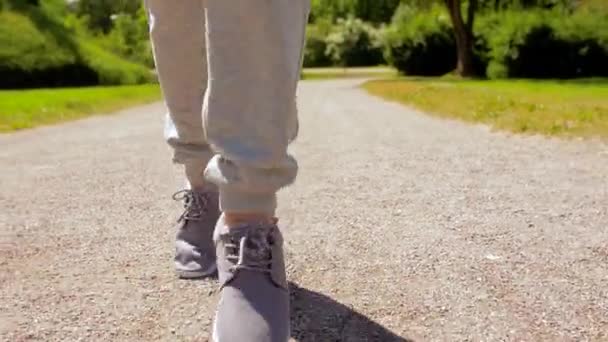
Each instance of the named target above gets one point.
<point>197,274</point>
<point>214,333</point>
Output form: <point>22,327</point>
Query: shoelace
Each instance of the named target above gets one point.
<point>195,204</point>
<point>250,252</point>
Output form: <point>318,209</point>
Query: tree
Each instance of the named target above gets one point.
<point>463,34</point>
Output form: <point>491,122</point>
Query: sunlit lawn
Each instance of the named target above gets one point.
<point>21,109</point>
<point>337,73</point>
<point>565,108</point>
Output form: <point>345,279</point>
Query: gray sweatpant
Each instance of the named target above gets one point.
<point>229,71</point>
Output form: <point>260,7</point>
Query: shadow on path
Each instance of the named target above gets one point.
<point>318,318</point>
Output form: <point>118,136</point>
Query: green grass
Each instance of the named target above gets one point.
<point>577,108</point>
<point>20,109</point>
<point>338,73</point>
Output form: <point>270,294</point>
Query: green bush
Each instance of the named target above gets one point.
<point>315,50</point>
<point>420,42</point>
<point>38,50</point>
<point>348,42</point>
<point>353,42</point>
<point>23,46</point>
<point>585,35</point>
<point>374,11</point>
<point>111,69</point>
<point>546,44</point>
<point>30,57</point>
<point>129,38</point>
<point>99,13</point>
<point>513,43</point>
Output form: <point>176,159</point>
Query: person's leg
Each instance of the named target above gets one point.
<point>250,110</point>
<point>177,31</point>
<point>254,55</point>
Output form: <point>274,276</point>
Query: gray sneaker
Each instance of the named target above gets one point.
<point>194,247</point>
<point>254,300</point>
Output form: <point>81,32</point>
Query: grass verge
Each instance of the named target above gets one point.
<point>310,74</point>
<point>576,108</point>
<point>20,109</point>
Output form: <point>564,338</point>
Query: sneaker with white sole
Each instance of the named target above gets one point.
<point>254,298</point>
<point>194,247</point>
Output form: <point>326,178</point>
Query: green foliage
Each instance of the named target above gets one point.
<point>521,4</point>
<point>99,13</point>
<point>375,11</point>
<point>353,42</point>
<point>129,38</point>
<point>48,43</point>
<point>546,44</point>
<point>113,70</point>
<point>600,6</point>
<point>331,10</point>
<point>533,43</point>
<point>315,50</point>
<point>120,26</point>
<point>348,42</point>
<point>38,50</point>
<point>420,43</point>
<point>24,46</point>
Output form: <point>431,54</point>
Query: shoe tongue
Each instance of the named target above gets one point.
<point>261,243</point>
<point>255,243</point>
<point>252,232</point>
<point>257,246</point>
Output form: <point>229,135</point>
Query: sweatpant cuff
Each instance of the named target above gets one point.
<point>247,202</point>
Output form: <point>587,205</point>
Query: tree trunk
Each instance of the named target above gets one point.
<point>463,33</point>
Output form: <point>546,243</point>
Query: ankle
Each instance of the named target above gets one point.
<point>234,220</point>
<point>198,187</point>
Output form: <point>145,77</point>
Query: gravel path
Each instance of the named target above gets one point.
<point>401,227</point>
